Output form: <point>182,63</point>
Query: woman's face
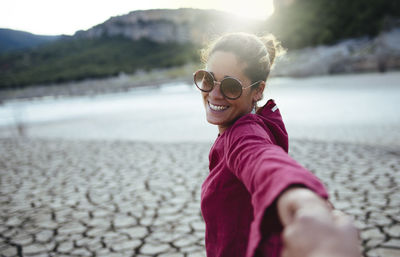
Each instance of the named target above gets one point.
<point>220,110</point>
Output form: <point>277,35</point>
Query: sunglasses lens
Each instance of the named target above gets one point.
<point>204,81</point>
<point>231,88</point>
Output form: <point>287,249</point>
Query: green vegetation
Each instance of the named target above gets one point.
<point>313,22</point>
<point>77,59</point>
<point>13,40</point>
<point>300,24</point>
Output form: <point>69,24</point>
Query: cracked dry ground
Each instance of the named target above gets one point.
<point>70,198</point>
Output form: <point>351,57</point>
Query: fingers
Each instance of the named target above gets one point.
<point>315,236</point>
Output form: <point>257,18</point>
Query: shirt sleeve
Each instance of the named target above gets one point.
<point>266,170</point>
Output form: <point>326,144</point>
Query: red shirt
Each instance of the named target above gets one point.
<point>249,168</point>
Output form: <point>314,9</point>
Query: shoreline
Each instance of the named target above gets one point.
<point>128,82</point>
<point>97,87</point>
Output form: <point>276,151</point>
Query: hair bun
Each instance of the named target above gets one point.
<point>274,47</point>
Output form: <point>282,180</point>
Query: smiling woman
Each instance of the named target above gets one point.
<point>256,195</point>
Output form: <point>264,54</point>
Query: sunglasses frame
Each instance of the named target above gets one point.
<point>220,83</point>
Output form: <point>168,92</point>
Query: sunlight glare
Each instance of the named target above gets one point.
<point>256,9</point>
<point>65,17</point>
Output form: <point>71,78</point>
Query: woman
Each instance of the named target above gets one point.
<point>254,190</point>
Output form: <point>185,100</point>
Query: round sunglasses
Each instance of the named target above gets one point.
<point>230,87</point>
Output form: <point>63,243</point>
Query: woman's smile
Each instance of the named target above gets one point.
<point>217,107</point>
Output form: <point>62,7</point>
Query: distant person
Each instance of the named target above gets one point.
<point>256,200</point>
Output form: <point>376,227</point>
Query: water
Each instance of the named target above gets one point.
<point>361,108</point>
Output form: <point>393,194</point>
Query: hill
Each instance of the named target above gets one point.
<point>77,59</point>
<point>140,40</point>
<point>145,40</point>
<point>11,40</point>
<point>172,25</point>
<point>304,23</point>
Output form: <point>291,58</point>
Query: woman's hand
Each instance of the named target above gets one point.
<point>309,237</point>
<point>312,229</point>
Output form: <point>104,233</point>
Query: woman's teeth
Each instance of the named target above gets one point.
<point>217,107</point>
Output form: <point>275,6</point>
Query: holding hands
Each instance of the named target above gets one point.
<point>312,229</point>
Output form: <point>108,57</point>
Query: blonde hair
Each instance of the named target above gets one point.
<point>258,53</point>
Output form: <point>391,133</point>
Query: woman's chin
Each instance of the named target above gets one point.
<point>213,121</point>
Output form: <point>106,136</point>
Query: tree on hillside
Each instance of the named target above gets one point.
<point>301,23</point>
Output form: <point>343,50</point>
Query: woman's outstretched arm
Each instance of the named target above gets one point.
<point>313,229</point>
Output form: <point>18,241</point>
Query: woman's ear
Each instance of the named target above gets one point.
<point>259,92</point>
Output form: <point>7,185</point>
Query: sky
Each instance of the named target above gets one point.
<point>55,17</point>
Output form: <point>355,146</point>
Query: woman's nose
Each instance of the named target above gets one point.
<point>216,91</point>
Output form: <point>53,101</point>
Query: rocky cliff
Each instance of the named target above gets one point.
<point>362,54</point>
<point>380,53</point>
<point>168,25</point>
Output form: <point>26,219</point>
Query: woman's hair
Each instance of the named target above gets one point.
<point>257,52</point>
